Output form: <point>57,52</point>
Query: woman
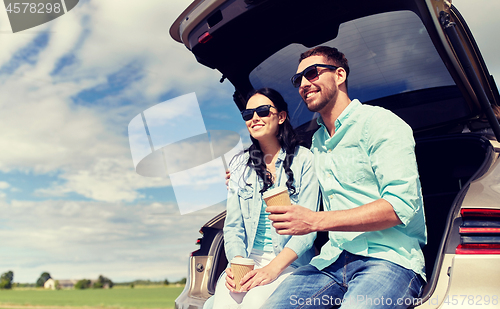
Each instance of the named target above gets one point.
<point>274,159</point>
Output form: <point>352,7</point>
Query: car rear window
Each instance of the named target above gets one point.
<point>393,63</point>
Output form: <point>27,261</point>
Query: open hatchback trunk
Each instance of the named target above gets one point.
<point>414,57</point>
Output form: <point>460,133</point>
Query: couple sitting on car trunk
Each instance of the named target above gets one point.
<point>363,161</point>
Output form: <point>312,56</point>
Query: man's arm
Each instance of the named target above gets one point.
<point>391,151</point>
<point>298,220</point>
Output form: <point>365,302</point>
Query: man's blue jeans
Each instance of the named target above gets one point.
<point>353,281</point>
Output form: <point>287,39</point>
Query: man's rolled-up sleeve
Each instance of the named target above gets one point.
<point>391,149</point>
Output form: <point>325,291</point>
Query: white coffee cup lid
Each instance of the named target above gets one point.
<point>274,191</point>
<point>242,261</point>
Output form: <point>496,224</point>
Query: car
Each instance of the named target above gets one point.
<point>417,58</point>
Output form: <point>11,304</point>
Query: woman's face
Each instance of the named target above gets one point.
<point>266,127</point>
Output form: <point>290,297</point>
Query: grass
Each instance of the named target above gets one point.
<point>138,297</point>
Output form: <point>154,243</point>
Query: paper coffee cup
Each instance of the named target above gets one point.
<point>240,267</point>
<point>277,196</point>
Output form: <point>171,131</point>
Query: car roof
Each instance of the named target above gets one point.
<point>237,37</point>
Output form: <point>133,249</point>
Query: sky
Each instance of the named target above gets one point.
<point>71,202</point>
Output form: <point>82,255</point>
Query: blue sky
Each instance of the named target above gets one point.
<point>70,200</point>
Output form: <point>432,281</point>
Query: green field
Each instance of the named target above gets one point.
<point>138,297</point>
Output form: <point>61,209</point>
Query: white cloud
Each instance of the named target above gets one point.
<point>107,179</point>
<point>46,133</point>
<point>77,239</point>
<point>85,143</point>
<point>4,185</point>
<point>118,33</point>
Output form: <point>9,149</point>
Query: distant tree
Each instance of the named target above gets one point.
<point>165,282</point>
<point>43,277</point>
<point>82,284</point>
<point>182,281</point>
<point>6,280</point>
<point>103,282</point>
<point>97,285</point>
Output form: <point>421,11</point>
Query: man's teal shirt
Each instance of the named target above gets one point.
<point>371,156</point>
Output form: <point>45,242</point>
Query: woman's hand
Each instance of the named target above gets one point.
<point>228,175</point>
<point>256,277</point>
<point>230,281</point>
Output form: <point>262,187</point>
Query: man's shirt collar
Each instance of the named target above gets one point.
<point>343,116</point>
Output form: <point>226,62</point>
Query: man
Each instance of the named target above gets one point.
<point>365,162</point>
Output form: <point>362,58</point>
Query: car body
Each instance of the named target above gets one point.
<point>415,57</point>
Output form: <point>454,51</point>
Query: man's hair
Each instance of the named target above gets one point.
<point>331,54</point>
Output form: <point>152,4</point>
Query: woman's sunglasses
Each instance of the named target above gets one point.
<point>262,111</point>
<point>311,72</point>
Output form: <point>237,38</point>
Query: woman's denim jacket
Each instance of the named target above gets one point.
<point>244,204</point>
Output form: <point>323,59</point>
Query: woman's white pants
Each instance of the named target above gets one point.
<point>255,298</point>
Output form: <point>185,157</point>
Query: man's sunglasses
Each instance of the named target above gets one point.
<point>262,111</point>
<point>311,72</point>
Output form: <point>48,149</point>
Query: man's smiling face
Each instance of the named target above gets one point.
<point>320,91</point>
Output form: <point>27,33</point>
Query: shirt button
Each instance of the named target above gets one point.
<point>331,196</point>
<point>329,150</point>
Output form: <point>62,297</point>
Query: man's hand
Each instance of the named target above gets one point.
<point>256,277</point>
<point>293,220</point>
<point>297,220</point>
